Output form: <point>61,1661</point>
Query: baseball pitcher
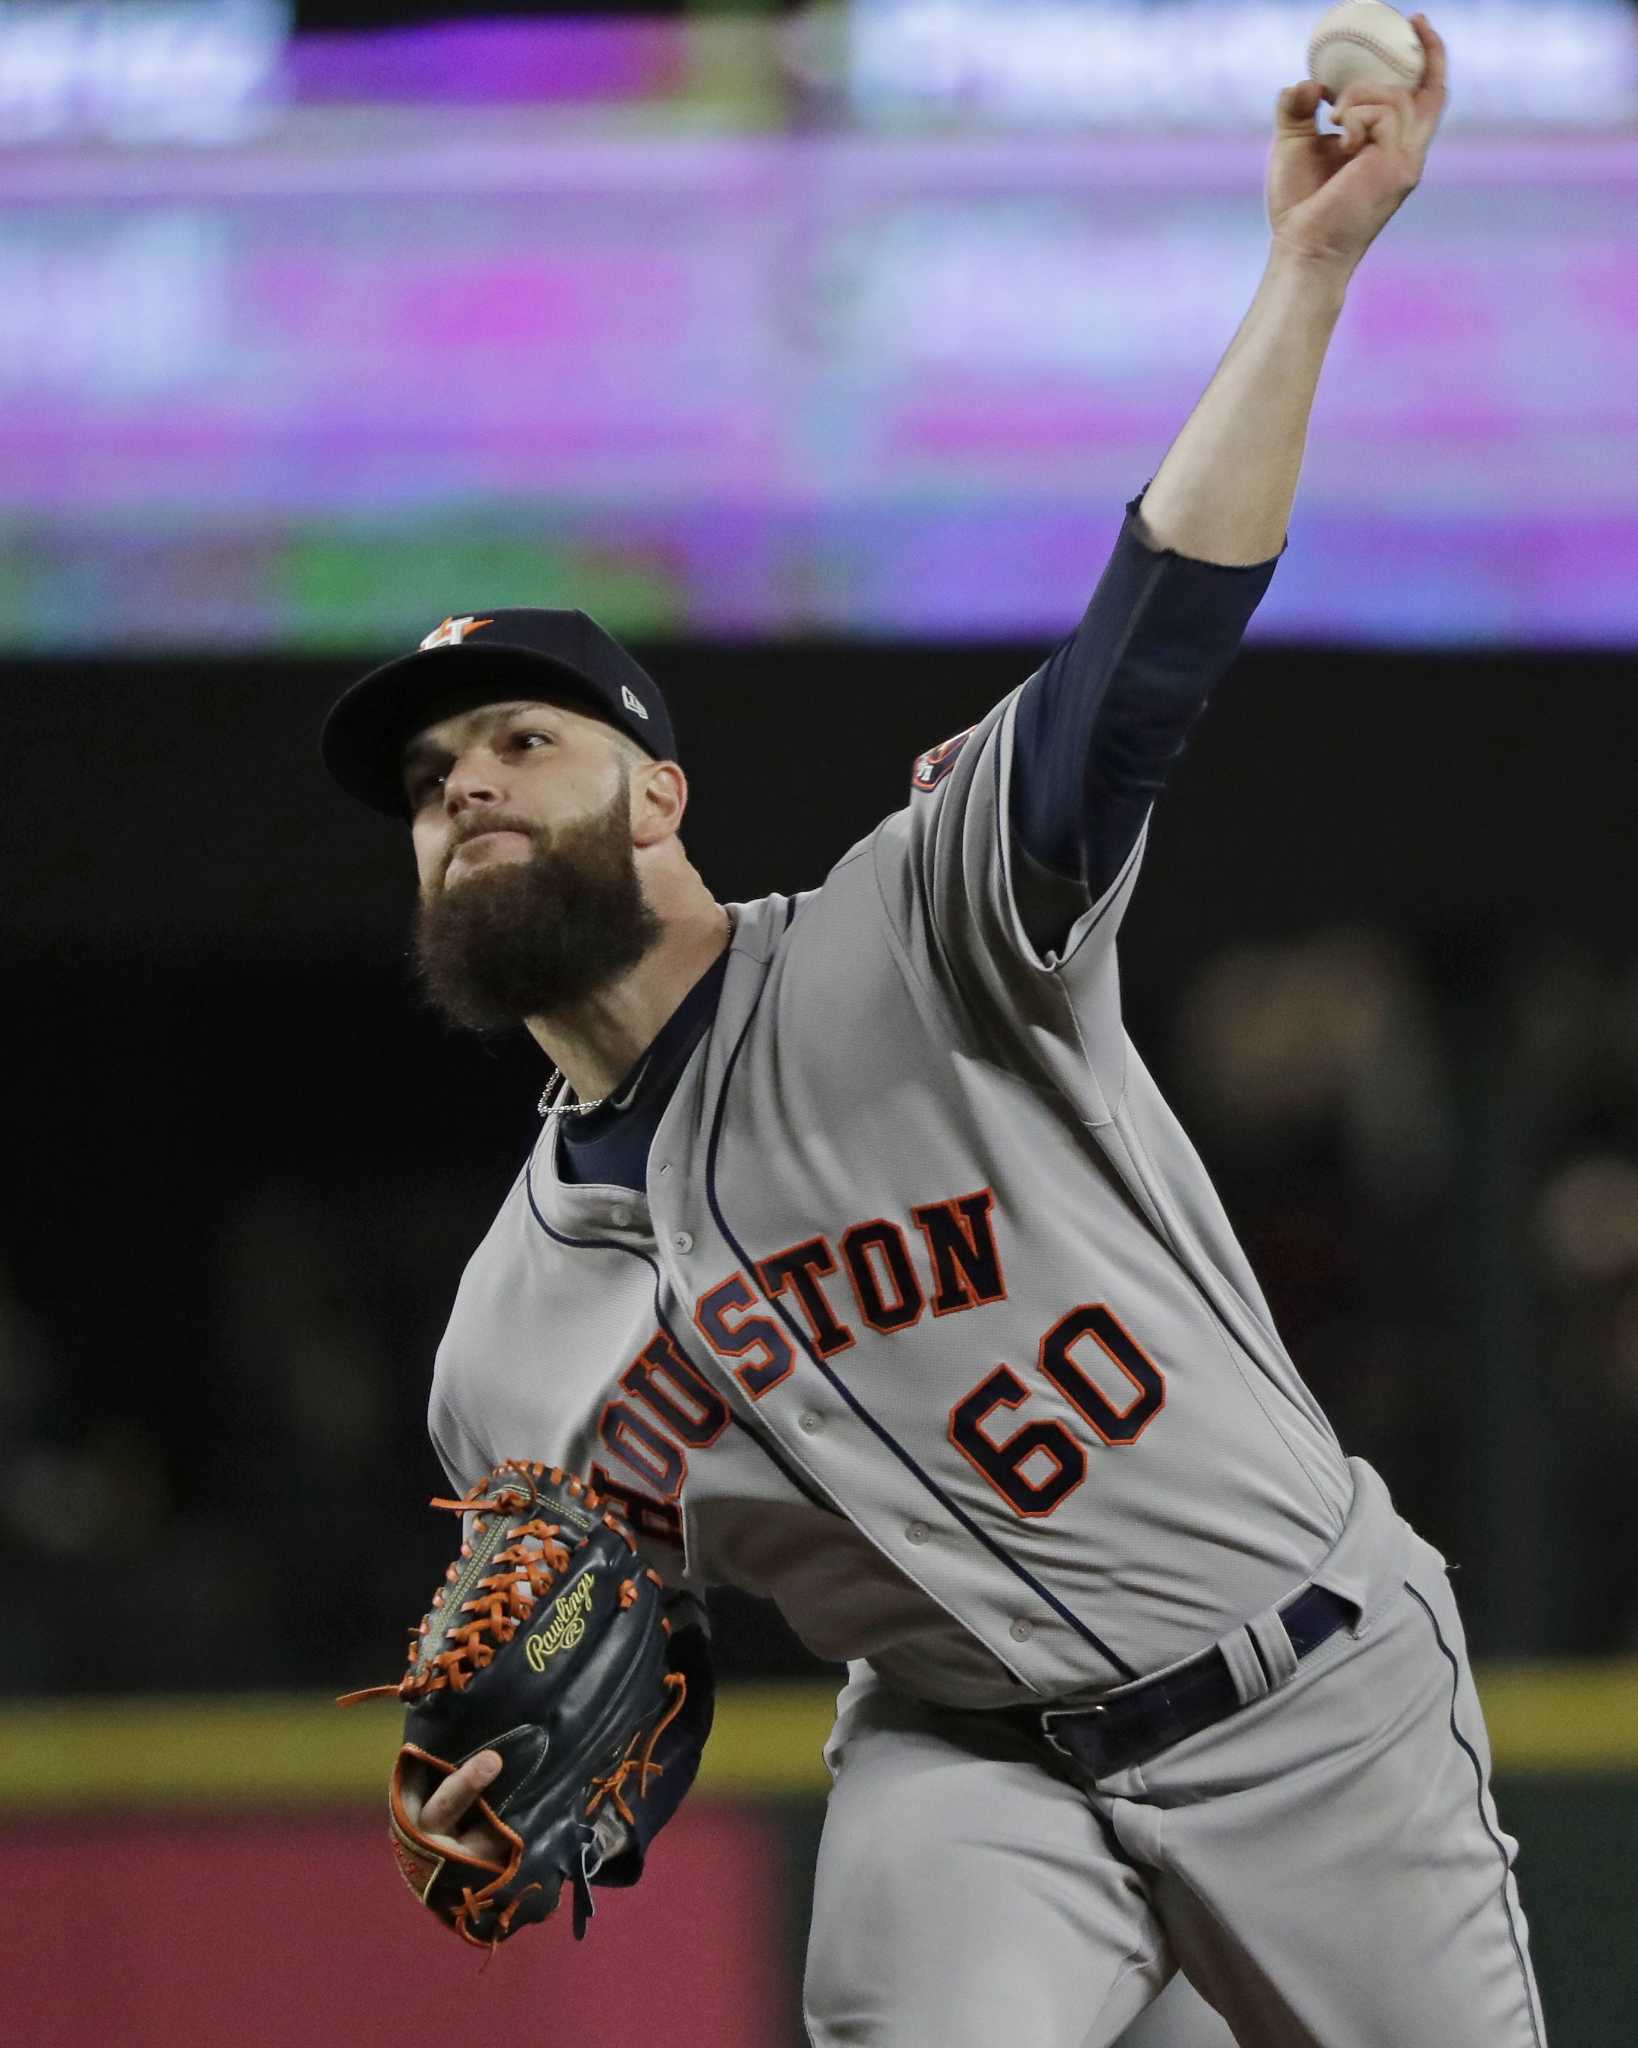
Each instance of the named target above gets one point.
<point>858,1262</point>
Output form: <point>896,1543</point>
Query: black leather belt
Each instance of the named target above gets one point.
<point>1139,1723</point>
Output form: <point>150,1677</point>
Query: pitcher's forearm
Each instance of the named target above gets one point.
<point>1225,490</point>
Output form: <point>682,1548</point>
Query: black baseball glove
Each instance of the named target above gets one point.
<point>547,1644</point>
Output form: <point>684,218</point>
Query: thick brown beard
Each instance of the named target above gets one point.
<point>532,938</point>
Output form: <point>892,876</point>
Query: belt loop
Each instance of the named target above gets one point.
<point>1267,1631</point>
<point>1251,1680</point>
<point>1259,1656</point>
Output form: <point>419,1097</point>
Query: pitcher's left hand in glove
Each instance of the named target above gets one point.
<point>546,1646</point>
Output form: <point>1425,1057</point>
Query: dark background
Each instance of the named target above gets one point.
<point>1382,959</point>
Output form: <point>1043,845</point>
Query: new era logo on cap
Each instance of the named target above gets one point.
<point>453,631</point>
<point>629,698</point>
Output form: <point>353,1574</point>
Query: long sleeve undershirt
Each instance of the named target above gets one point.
<point>1099,726</point>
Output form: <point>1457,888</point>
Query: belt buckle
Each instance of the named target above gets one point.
<point>1158,1725</point>
<point>1053,1741</point>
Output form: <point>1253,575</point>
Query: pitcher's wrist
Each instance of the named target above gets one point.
<point>1319,279</point>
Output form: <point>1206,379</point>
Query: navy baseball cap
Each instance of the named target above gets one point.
<point>483,658</point>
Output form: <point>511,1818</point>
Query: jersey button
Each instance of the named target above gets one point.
<point>620,1218</point>
<point>916,1532</point>
<point>809,1423</point>
<point>1021,1631</point>
<point>682,1241</point>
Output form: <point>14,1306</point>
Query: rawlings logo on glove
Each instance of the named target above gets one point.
<point>567,1627</point>
<point>545,1644</point>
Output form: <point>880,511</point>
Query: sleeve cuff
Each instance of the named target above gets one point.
<point>1141,533</point>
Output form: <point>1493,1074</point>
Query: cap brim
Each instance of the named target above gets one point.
<point>364,737</point>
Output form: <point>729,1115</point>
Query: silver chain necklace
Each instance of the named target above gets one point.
<point>553,1100</point>
<point>558,1107</point>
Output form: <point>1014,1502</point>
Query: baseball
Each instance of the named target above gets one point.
<point>1364,42</point>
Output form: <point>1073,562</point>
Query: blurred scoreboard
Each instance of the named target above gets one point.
<point>745,329</point>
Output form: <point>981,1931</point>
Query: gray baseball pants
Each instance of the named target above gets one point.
<point>1325,1865</point>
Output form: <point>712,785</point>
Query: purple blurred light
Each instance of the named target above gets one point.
<point>485,63</point>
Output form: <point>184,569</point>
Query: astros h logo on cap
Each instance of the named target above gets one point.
<point>476,657</point>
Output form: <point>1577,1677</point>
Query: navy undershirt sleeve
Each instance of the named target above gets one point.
<point>1099,726</point>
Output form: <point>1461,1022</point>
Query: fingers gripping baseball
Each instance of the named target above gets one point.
<point>1296,107</point>
<point>1329,196</point>
<point>1365,113</point>
<point>1379,114</point>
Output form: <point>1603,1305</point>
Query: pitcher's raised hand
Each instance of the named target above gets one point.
<point>1330,196</point>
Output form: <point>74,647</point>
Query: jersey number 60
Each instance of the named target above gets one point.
<point>1036,1468</point>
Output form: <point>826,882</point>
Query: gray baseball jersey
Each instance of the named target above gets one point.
<point>929,1324</point>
